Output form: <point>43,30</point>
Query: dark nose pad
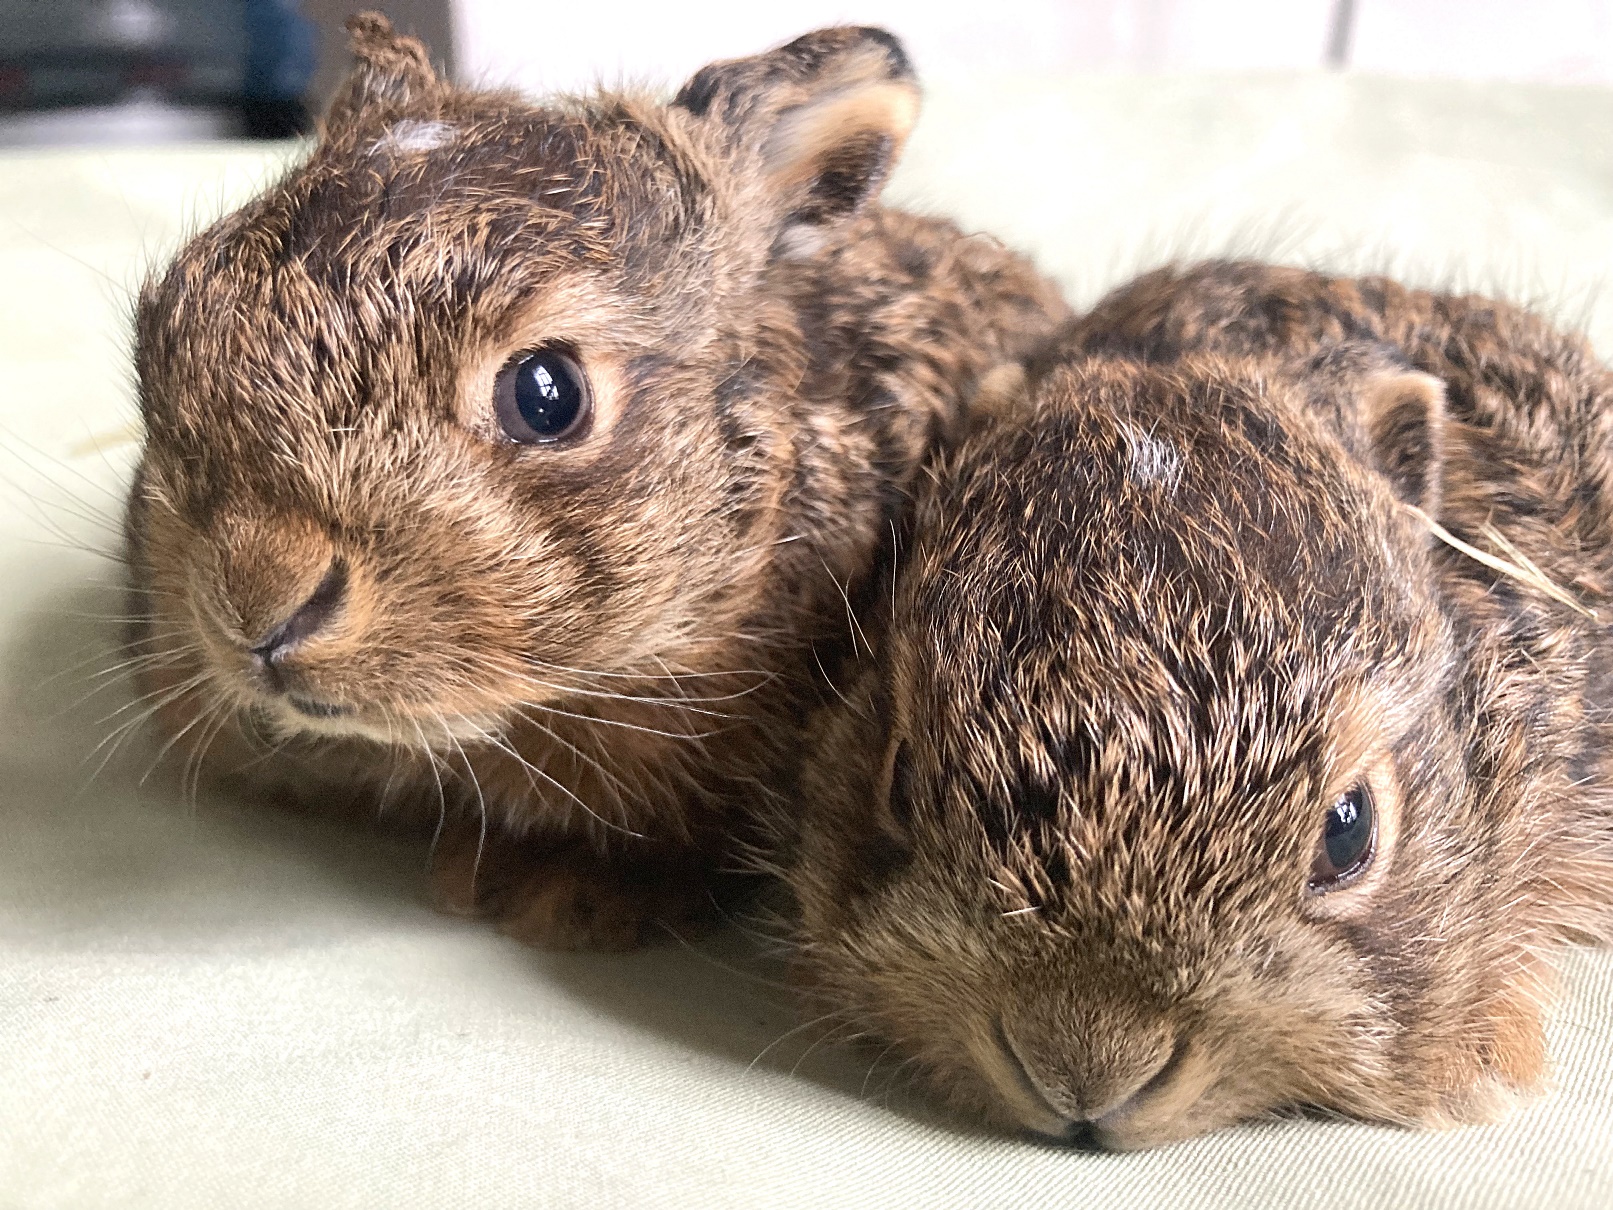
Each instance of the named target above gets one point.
<point>309,618</point>
<point>1082,1136</point>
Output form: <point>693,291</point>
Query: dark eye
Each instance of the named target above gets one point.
<point>542,396</point>
<point>1348,832</point>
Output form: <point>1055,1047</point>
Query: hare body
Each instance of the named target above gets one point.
<point>513,461</point>
<point>1196,776</point>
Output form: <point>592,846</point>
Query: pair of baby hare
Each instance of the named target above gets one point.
<point>1159,718</point>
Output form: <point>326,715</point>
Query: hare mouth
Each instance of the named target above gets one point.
<point>300,715</point>
<point>318,709</point>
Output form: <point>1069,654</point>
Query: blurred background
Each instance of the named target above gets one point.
<point>143,71</point>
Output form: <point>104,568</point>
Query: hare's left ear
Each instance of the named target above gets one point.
<point>823,118</point>
<point>390,71</point>
<point>1403,413</point>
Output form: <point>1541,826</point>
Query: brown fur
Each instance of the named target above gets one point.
<point>604,647</point>
<point>1150,624</point>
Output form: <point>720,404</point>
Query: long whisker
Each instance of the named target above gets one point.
<point>151,702</point>
<point>857,634</point>
<point>174,693</point>
<point>912,1061</point>
<point>862,1093</point>
<point>442,797</point>
<point>91,513</point>
<point>606,721</point>
<point>790,1033</point>
<point>729,968</point>
<point>617,786</point>
<point>111,670</point>
<point>168,747</point>
<point>632,699</point>
<point>820,1040</point>
<point>591,674</point>
<point>481,801</point>
<point>530,769</point>
<point>95,691</point>
<point>191,774</point>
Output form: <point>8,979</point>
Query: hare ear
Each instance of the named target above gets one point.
<point>824,116</point>
<point>1404,416</point>
<point>390,70</point>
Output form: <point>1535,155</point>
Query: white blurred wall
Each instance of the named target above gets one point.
<point>544,46</point>
<point>1562,41</point>
<point>537,45</point>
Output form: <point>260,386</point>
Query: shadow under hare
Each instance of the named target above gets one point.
<point>515,460</point>
<point>1238,732</point>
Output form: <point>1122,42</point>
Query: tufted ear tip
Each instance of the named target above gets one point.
<point>373,41</point>
<point>389,69</point>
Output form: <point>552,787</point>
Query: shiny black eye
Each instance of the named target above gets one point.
<point>542,396</point>
<point>1348,832</point>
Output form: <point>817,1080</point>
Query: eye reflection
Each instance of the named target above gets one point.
<point>1349,830</point>
<point>542,397</point>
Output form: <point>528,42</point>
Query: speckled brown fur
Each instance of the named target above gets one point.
<point>593,654</point>
<point>1150,624</point>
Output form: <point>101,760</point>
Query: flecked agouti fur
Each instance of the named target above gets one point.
<point>590,655</point>
<point>1207,591</point>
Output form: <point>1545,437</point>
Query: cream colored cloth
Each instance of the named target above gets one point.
<point>207,1007</point>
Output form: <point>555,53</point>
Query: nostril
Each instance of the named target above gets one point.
<point>1058,1123</point>
<point>1120,1095</point>
<point>1015,1064</point>
<point>1166,1073</point>
<point>308,619</point>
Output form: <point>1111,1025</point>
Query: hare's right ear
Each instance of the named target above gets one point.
<point>390,71</point>
<point>1404,415</point>
<point>824,116</point>
<point>1392,413</point>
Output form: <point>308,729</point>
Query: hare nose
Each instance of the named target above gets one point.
<point>1078,1099</point>
<point>306,621</point>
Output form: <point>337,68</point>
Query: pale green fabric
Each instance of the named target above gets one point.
<point>210,1007</point>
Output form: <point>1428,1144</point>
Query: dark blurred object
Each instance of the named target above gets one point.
<point>56,53</point>
<point>279,65</point>
<point>151,70</point>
